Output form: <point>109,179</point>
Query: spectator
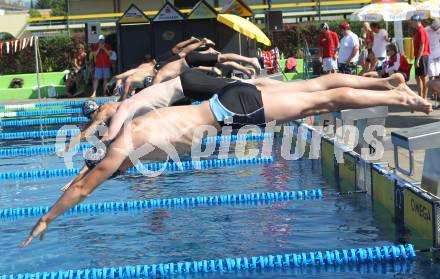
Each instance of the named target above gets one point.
<point>327,47</point>
<point>422,51</point>
<point>380,41</point>
<point>348,50</point>
<point>367,36</point>
<point>335,38</point>
<point>103,64</point>
<point>396,63</point>
<point>373,65</point>
<point>80,64</point>
<point>71,84</point>
<point>113,59</point>
<point>434,44</point>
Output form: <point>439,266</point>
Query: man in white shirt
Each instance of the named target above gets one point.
<point>380,41</point>
<point>434,43</point>
<point>348,50</point>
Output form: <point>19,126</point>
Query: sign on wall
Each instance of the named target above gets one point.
<point>202,10</point>
<point>168,13</point>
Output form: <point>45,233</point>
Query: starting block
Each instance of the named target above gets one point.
<point>361,119</point>
<point>424,137</point>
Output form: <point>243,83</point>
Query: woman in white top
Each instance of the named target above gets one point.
<point>380,41</point>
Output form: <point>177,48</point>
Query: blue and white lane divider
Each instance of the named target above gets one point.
<point>39,134</point>
<point>354,256</point>
<point>52,104</point>
<point>44,121</point>
<point>40,112</point>
<point>152,167</point>
<point>217,200</point>
<point>51,149</point>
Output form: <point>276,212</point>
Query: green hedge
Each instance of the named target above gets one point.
<point>55,55</point>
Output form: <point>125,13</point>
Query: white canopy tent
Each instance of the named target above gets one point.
<point>395,12</point>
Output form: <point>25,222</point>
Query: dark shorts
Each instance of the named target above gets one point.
<point>349,69</point>
<point>196,59</point>
<point>161,63</point>
<point>238,104</point>
<point>422,68</point>
<point>199,86</point>
<point>165,56</point>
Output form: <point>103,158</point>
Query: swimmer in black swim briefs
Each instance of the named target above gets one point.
<point>173,130</point>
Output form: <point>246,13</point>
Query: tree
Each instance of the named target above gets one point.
<point>58,7</point>
<point>34,13</point>
<point>43,4</point>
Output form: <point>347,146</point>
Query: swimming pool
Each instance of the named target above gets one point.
<point>189,233</point>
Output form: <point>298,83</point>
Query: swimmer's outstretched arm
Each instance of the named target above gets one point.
<point>192,47</point>
<point>81,189</point>
<point>80,176</point>
<point>180,46</point>
<point>126,74</point>
<point>234,65</point>
<point>210,70</point>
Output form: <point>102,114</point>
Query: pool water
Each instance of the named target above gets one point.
<point>193,233</point>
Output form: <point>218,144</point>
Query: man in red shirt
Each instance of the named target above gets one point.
<point>327,47</point>
<point>421,52</point>
<point>102,52</point>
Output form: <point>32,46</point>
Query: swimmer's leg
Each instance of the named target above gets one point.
<point>284,106</point>
<point>337,80</point>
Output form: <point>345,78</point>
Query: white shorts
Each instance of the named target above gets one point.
<point>434,67</point>
<point>329,64</point>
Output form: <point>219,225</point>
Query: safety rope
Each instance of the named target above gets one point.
<point>216,200</point>
<point>50,104</point>
<point>168,166</point>
<point>51,149</point>
<point>40,112</point>
<point>355,256</point>
<point>43,121</point>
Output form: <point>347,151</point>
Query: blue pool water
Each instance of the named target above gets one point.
<point>184,234</point>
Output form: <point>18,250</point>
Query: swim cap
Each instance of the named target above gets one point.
<point>89,107</point>
<point>94,156</point>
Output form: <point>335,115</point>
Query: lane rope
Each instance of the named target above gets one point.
<point>51,104</point>
<point>51,149</point>
<point>354,256</point>
<point>215,200</point>
<point>168,166</point>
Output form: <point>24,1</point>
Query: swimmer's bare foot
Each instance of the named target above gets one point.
<point>395,80</point>
<point>256,64</point>
<point>412,100</point>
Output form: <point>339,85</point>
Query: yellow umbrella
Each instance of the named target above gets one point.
<point>244,27</point>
